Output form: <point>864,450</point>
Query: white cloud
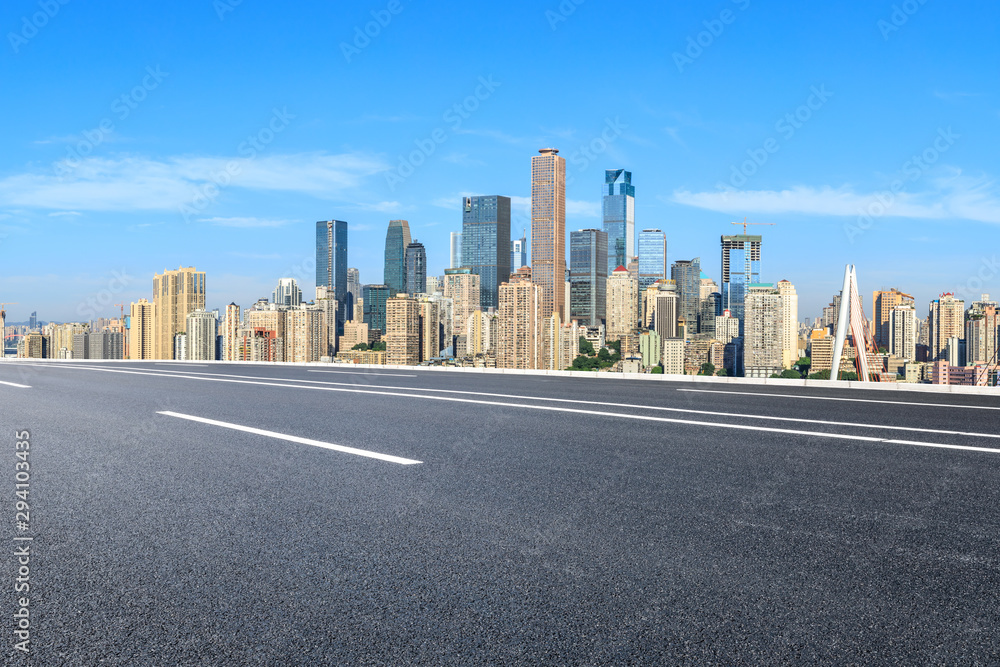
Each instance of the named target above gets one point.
<point>247,223</point>
<point>60,214</point>
<point>136,183</point>
<point>953,197</point>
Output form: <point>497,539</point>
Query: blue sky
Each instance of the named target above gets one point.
<point>144,137</point>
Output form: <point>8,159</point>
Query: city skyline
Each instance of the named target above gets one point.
<point>858,123</point>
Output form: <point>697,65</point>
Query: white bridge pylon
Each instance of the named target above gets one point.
<point>852,313</point>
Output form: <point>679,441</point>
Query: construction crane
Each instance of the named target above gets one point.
<point>745,223</point>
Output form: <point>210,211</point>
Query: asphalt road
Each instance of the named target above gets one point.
<point>476,519</point>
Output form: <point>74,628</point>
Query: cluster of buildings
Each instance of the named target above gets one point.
<point>498,306</point>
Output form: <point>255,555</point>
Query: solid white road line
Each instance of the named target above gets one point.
<point>855,400</point>
<point>377,373</point>
<point>294,438</point>
<point>550,408</point>
<point>709,413</point>
<point>14,384</point>
<point>183,364</point>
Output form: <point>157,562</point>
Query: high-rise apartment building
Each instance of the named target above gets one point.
<point>330,309</point>
<point>518,253</point>
<point>686,274</point>
<point>902,331</point>
<point>981,330</point>
<point>740,267</point>
<point>375,298</point>
<point>200,327</point>
<point>883,303</point>
<point>416,269</point>
<point>622,305</point>
<point>789,306</point>
<point>588,276</point>
<point>727,327</point>
<point>548,229</point>
<point>946,319</point>
<point>402,338</point>
<point>652,257</point>
<point>175,294</point>
<point>306,335</point>
<point>763,331</point>
<point>456,250</point>
<point>430,345</point>
<point>287,293</point>
<point>486,243</point>
<point>353,288</point>
<point>231,325</point>
<point>519,322</point>
<point>666,309</point>
<point>142,330</point>
<point>463,288</point>
<point>397,238</point>
<point>619,217</point>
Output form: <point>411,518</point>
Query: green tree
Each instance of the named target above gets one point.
<point>707,368</point>
<point>586,347</point>
<point>657,370</point>
<point>379,346</point>
<point>604,355</point>
<point>722,373</point>
<point>791,375</point>
<point>616,345</point>
<point>820,375</point>
<point>361,346</point>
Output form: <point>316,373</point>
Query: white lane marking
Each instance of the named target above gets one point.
<point>856,400</point>
<point>550,408</point>
<point>14,384</point>
<point>377,373</point>
<point>710,413</point>
<point>295,438</point>
<point>184,364</point>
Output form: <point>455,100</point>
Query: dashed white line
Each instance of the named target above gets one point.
<point>294,438</point>
<point>14,384</point>
<point>372,373</point>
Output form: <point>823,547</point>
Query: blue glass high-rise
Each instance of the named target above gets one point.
<point>416,268</point>
<point>619,218</point>
<point>375,297</point>
<point>486,244</point>
<point>396,239</point>
<point>652,257</point>
<point>331,264</point>
<point>588,281</point>
<point>740,267</point>
<point>687,275</point>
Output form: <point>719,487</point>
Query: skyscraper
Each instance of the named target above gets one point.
<point>175,294</point>
<point>981,329</point>
<point>402,338</point>
<point>231,333</point>
<point>548,229</point>
<point>622,304</point>
<point>141,332</point>
<point>519,321</point>
<point>619,217</point>
<point>287,293</point>
<point>353,286</point>
<point>789,312</point>
<point>486,243</point>
<point>375,297</point>
<point>456,250</point>
<point>946,320</point>
<point>33,321</point>
<point>518,253</point>
<point>588,276</point>
<point>397,238</point>
<point>416,268</point>
<point>903,331</point>
<point>200,328</point>
<point>883,303</point>
<point>740,267</point>
<point>462,287</point>
<point>666,310</point>
<point>687,276</point>
<point>652,257</point>
<point>762,331</point>
<point>331,265</point>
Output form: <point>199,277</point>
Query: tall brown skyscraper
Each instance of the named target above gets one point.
<point>883,303</point>
<point>548,229</point>
<point>176,294</point>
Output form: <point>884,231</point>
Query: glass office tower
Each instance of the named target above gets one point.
<point>740,267</point>
<point>331,265</point>
<point>396,239</point>
<point>588,282</point>
<point>619,217</point>
<point>486,244</point>
<point>375,297</point>
<point>652,257</point>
